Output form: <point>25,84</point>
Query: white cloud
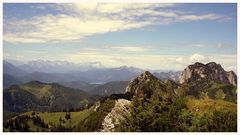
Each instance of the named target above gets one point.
<point>130,48</point>
<point>38,7</point>
<point>200,17</point>
<point>180,59</point>
<point>219,45</point>
<point>6,55</point>
<point>19,56</point>
<point>196,45</point>
<point>232,68</point>
<point>110,8</point>
<point>192,59</point>
<point>77,21</point>
<point>36,52</point>
<point>116,60</point>
<point>151,61</point>
<point>197,58</point>
<point>65,28</point>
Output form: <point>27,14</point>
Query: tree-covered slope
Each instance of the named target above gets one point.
<point>45,97</point>
<point>116,87</point>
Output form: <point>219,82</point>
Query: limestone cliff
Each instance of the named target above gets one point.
<point>207,72</point>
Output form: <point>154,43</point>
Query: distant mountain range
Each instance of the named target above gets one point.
<point>12,70</point>
<point>66,72</point>
<point>58,66</point>
<point>10,80</point>
<point>171,75</point>
<point>117,87</point>
<point>105,89</point>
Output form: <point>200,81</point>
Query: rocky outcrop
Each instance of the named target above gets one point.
<point>148,86</point>
<point>143,85</point>
<point>113,118</point>
<point>232,78</point>
<point>207,72</point>
<point>96,106</point>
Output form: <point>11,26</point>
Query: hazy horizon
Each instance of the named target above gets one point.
<point>147,36</point>
<point>97,65</point>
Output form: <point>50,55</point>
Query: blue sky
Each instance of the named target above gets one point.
<point>150,36</point>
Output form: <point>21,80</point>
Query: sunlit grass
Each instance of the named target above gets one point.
<point>201,106</point>
<point>54,117</point>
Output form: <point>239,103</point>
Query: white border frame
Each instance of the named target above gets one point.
<point>116,1</point>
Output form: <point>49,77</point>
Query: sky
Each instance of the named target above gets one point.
<point>157,36</point>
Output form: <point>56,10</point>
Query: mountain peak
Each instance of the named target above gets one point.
<point>198,64</point>
<point>207,72</point>
<point>35,82</point>
<point>147,75</point>
<point>144,85</point>
<point>212,63</point>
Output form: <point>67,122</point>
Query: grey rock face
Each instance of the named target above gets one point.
<point>113,118</point>
<point>210,71</point>
<point>232,77</point>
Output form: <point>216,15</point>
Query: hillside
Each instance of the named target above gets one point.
<point>79,85</point>
<point>110,88</point>
<point>9,80</point>
<point>37,96</point>
<point>48,121</point>
<point>153,110</point>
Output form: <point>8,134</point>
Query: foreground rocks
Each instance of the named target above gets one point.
<point>113,118</point>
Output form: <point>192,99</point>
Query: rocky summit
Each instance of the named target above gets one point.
<point>207,72</point>
<point>146,85</point>
<point>139,85</point>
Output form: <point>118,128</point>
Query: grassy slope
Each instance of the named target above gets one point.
<point>37,91</point>
<point>75,117</point>
<point>221,91</point>
<point>87,117</point>
<point>54,117</point>
<point>8,115</point>
<point>94,121</point>
<point>34,127</point>
<point>208,105</point>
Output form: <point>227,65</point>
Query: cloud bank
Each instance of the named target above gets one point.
<point>74,22</point>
